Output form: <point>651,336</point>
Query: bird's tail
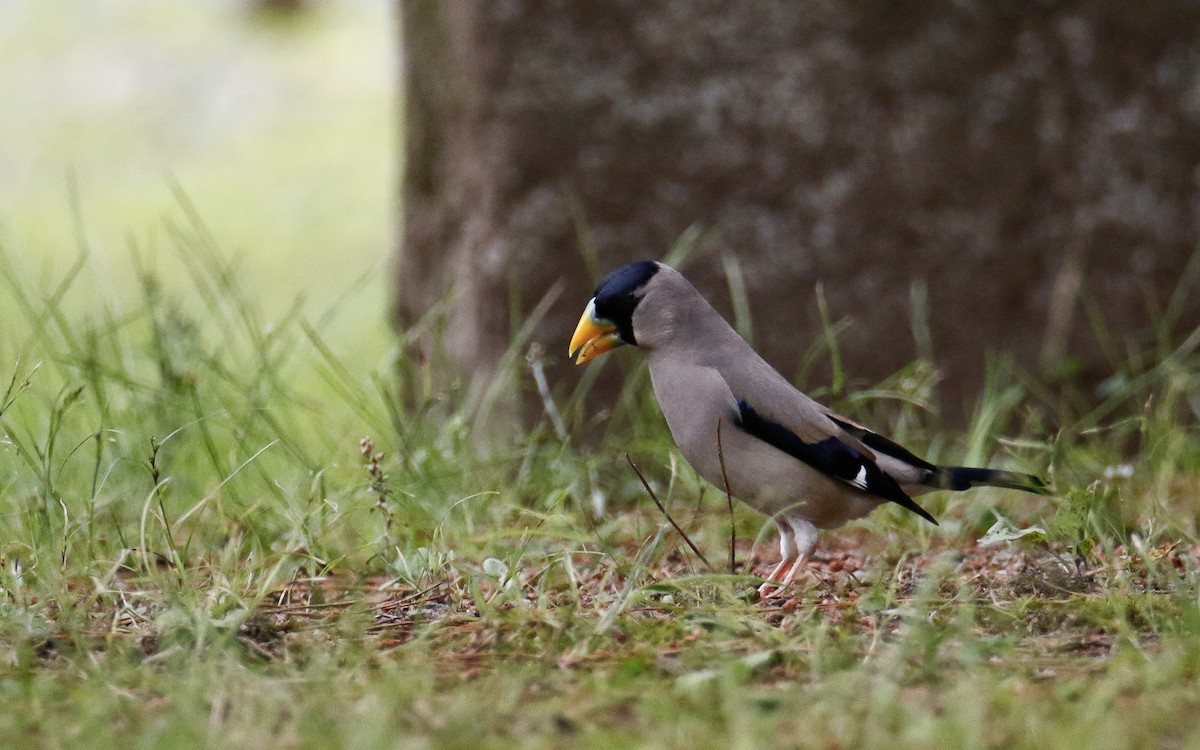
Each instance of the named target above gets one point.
<point>966,477</point>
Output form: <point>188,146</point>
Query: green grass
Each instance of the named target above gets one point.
<point>281,133</point>
<point>198,548</point>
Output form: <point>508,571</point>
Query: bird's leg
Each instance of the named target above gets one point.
<point>787,549</point>
<point>804,540</point>
<point>774,582</point>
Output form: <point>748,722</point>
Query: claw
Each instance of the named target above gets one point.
<point>776,586</point>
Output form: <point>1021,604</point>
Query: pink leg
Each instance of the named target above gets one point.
<point>787,548</point>
<point>774,583</point>
<point>801,540</point>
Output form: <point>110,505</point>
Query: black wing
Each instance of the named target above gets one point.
<point>831,456</point>
<point>880,444</point>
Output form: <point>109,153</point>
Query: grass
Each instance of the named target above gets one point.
<point>200,546</point>
<point>281,133</point>
<point>228,517</point>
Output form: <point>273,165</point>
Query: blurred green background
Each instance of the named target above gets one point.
<point>280,128</point>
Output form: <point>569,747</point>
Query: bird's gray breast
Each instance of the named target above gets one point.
<point>694,399</point>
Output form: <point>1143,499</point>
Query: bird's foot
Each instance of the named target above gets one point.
<point>770,590</point>
<point>776,586</point>
<point>775,579</point>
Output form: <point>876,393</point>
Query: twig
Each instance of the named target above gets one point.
<point>535,358</point>
<point>729,500</point>
<point>411,598</point>
<point>663,510</point>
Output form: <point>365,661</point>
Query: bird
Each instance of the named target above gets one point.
<point>747,430</point>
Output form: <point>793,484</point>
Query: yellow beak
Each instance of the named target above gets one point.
<point>593,336</point>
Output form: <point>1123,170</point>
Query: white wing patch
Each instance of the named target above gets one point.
<point>860,479</point>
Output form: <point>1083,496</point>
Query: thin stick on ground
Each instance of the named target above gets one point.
<point>663,510</point>
<point>729,500</point>
<point>535,357</point>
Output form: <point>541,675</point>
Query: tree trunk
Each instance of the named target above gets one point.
<point>1012,158</point>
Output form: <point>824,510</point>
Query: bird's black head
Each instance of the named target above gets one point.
<point>619,293</point>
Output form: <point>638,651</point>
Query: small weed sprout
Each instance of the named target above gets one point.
<point>379,486</point>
